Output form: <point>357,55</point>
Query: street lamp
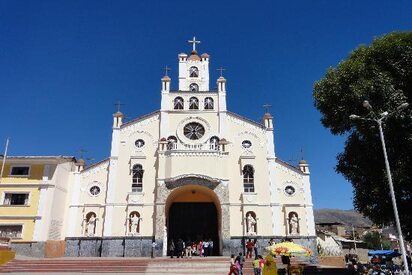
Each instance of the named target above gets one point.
<point>379,120</point>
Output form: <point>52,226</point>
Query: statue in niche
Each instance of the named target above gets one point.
<point>134,223</point>
<point>91,225</point>
<point>251,225</point>
<point>294,224</point>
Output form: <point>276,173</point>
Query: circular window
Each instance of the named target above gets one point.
<point>94,190</point>
<point>290,190</point>
<point>139,143</point>
<point>246,144</point>
<point>193,130</point>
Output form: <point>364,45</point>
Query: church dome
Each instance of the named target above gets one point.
<point>166,78</point>
<point>204,55</point>
<point>267,116</point>
<point>194,56</point>
<point>303,162</point>
<point>118,114</point>
<point>223,141</point>
<point>81,162</point>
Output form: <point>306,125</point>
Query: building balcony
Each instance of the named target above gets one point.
<point>175,146</point>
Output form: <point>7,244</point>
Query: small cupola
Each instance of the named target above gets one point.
<point>80,164</point>
<point>221,84</point>
<point>166,83</point>
<point>304,166</point>
<point>268,121</point>
<point>117,119</point>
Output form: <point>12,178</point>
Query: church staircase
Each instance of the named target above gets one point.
<point>194,266</point>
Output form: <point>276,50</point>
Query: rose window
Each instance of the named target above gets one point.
<point>194,130</point>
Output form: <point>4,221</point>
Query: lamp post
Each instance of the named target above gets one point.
<point>379,120</point>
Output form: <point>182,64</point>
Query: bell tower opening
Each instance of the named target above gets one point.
<point>193,216</point>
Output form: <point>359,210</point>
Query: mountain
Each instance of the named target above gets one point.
<point>347,217</point>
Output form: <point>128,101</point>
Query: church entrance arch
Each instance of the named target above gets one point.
<point>193,214</point>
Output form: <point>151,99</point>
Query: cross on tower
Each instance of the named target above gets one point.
<point>166,69</point>
<point>118,105</point>
<point>267,107</point>
<point>221,69</point>
<point>82,151</point>
<point>194,42</point>
<point>301,153</point>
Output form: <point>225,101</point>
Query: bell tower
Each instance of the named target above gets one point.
<point>194,70</point>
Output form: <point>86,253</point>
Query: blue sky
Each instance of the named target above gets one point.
<point>63,65</point>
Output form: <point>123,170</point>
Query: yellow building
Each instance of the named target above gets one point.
<point>33,193</point>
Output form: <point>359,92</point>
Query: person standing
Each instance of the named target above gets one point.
<point>153,249</point>
<point>210,247</point>
<point>206,248</point>
<point>179,248</point>
<point>233,269</point>
<point>255,247</point>
<point>201,248</point>
<point>240,260</point>
<point>171,248</point>
<point>249,248</point>
<point>270,267</point>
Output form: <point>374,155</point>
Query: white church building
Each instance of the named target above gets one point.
<point>191,170</point>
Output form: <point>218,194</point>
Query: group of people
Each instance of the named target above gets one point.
<point>378,265</point>
<point>261,266</point>
<point>189,249</point>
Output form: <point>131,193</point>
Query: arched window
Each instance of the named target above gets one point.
<point>193,87</point>
<point>137,182</point>
<point>208,103</point>
<point>293,223</point>
<point>134,223</point>
<point>248,178</point>
<point>214,143</point>
<point>178,103</point>
<point>194,71</point>
<point>193,103</point>
<point>171,143</point>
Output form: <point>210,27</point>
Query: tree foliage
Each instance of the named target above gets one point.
<point>375,240</point>
<point>382,74</point>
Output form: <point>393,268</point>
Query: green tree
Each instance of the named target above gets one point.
<point>382,74</point>
<point>375,240</point>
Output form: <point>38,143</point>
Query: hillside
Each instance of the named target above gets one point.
<point>347,217</point>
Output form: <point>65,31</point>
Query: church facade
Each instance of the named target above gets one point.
<point>192,170</point>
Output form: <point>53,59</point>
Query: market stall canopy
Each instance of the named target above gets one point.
<point>386,253</point>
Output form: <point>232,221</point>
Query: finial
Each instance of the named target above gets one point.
<point>267,107</point>
<point>118,105</point>
<point>166,69</point>
<point>221,69</point>
<point>301,153</point>
<point>81,152</point>
<point>194,42</point>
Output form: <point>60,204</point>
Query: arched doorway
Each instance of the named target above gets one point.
<point>193,214</point>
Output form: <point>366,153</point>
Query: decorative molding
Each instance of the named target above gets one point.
<point>135,125</point>
<point>246,123</point>
<point>184,122</point>
<point>249,135</point>
<point>95,169</point>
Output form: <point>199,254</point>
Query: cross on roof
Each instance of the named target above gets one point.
<point>118,105</point>
<point>82,151</point>
<point>301,153</point>
<point>267,107</point>
<point>166,69</point>
<point>221,69</point>
<point>194,42</point>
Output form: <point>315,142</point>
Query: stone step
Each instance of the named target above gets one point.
<point>209,265</point>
